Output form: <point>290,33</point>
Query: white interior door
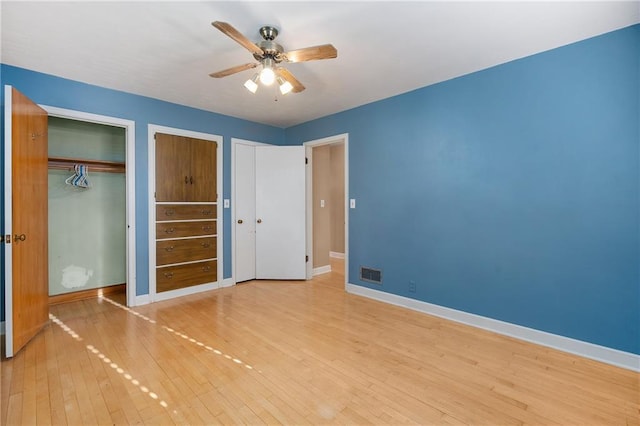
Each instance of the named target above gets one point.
<point>245,212</point>
<point>280,212</point>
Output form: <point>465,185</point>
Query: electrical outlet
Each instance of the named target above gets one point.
<point>412,286</point>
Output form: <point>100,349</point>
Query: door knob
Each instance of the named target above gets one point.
<point>20,237</point>
<point>240,221</point>
<point>259,221</point>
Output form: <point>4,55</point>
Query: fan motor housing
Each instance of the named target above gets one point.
<point>270,49</point>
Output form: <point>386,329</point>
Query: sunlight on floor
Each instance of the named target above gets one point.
<point>178,333</point>
<point>92,349</point>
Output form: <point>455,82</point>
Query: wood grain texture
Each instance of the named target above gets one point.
<point>185,250</point>
<point>87,294</point>
<point>181,276</point>
<point>167,212</point>
<point>166,230</point>
<point>293,352</point>
<point>29,194</point>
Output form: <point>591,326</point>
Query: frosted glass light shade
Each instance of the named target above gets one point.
<point>251,84</point>
<point>285,86</point>
<point>267,76</point>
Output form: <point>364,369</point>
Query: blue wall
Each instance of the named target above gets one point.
<point>510,193</point>
<point>54,91</point>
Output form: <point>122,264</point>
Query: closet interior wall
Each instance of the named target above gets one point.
<point>87,226</point>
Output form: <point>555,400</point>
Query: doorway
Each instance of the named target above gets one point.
<point>327,204</point>
<point>87,209</point>
<point>25,262</point>
<point>128,127</point>
<point>268,211</point>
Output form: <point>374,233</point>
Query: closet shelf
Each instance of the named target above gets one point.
<point>62,163</point>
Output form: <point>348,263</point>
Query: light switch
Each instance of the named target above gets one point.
<point>321,203</point>
<point>352,203</point>
<point>226,203</point>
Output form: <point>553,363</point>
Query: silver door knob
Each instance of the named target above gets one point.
<point>240,221</point>
<point>259,221</point>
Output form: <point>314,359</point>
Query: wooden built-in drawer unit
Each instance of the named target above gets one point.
<point>185,250</point>
<point>166,230</point>
<point>180,276</point>
<point>166,212</point>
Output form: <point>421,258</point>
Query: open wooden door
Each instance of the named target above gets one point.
<point>26,236</point>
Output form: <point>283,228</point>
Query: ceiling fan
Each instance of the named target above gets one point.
<point>270,54</point>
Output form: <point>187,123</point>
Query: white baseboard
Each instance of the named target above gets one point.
<point>145,299</point>
<point>227,282</point>
<point>2,328</point>
<point>336,255</point>
<point>142,300</point>
<point>585,349</point>
<point>321,270</point>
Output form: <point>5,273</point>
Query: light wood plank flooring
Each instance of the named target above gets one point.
<point>296,353</point>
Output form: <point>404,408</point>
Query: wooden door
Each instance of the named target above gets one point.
<point>26,196</point>
<point>245,212</point>
<point>202,177</point>
<point>280,212</point>
<point>172,167</point>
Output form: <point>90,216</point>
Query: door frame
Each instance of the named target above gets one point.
<point>309,145</point>
<point>152,129</point>
<point>234,142</point>
<point>129,127</point>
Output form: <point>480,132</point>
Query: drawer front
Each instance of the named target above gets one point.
<point>177,251</point>
<point>185,229</point>
<point>181,276</point>
<point>185,211</point>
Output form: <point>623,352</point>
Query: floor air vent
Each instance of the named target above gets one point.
<point>370,275</point>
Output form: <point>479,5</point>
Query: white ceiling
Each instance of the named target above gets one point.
<point>166,50</point>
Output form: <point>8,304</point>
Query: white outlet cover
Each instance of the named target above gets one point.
<point>226,203</point>
<point>352,203</point>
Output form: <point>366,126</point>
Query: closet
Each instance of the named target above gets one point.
<point>87,208</point>
<point>186,212</point>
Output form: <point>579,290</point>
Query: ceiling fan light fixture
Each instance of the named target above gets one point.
<point>252,83</point>
<point>267,75</point>
<point>285,86</point>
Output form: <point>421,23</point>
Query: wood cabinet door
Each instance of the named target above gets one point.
<point>203,170</point>
<point>26,220</point>
<point>173,168</point>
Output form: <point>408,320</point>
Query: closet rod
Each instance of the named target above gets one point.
<point>62,163</point>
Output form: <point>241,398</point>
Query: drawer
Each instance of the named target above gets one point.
<point>185,229</point>
<point>181,276</point>
<point>185,211</point>
<point>177,251</point>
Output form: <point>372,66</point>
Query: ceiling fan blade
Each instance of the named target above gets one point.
<point>233,70</point>
<point>238,37</point>
<point>325,51</point>
<point>284,73</point>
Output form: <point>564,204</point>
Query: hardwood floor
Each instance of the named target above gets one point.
<point>296,353</point>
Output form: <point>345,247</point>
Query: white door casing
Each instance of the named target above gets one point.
<point>341,138</point>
